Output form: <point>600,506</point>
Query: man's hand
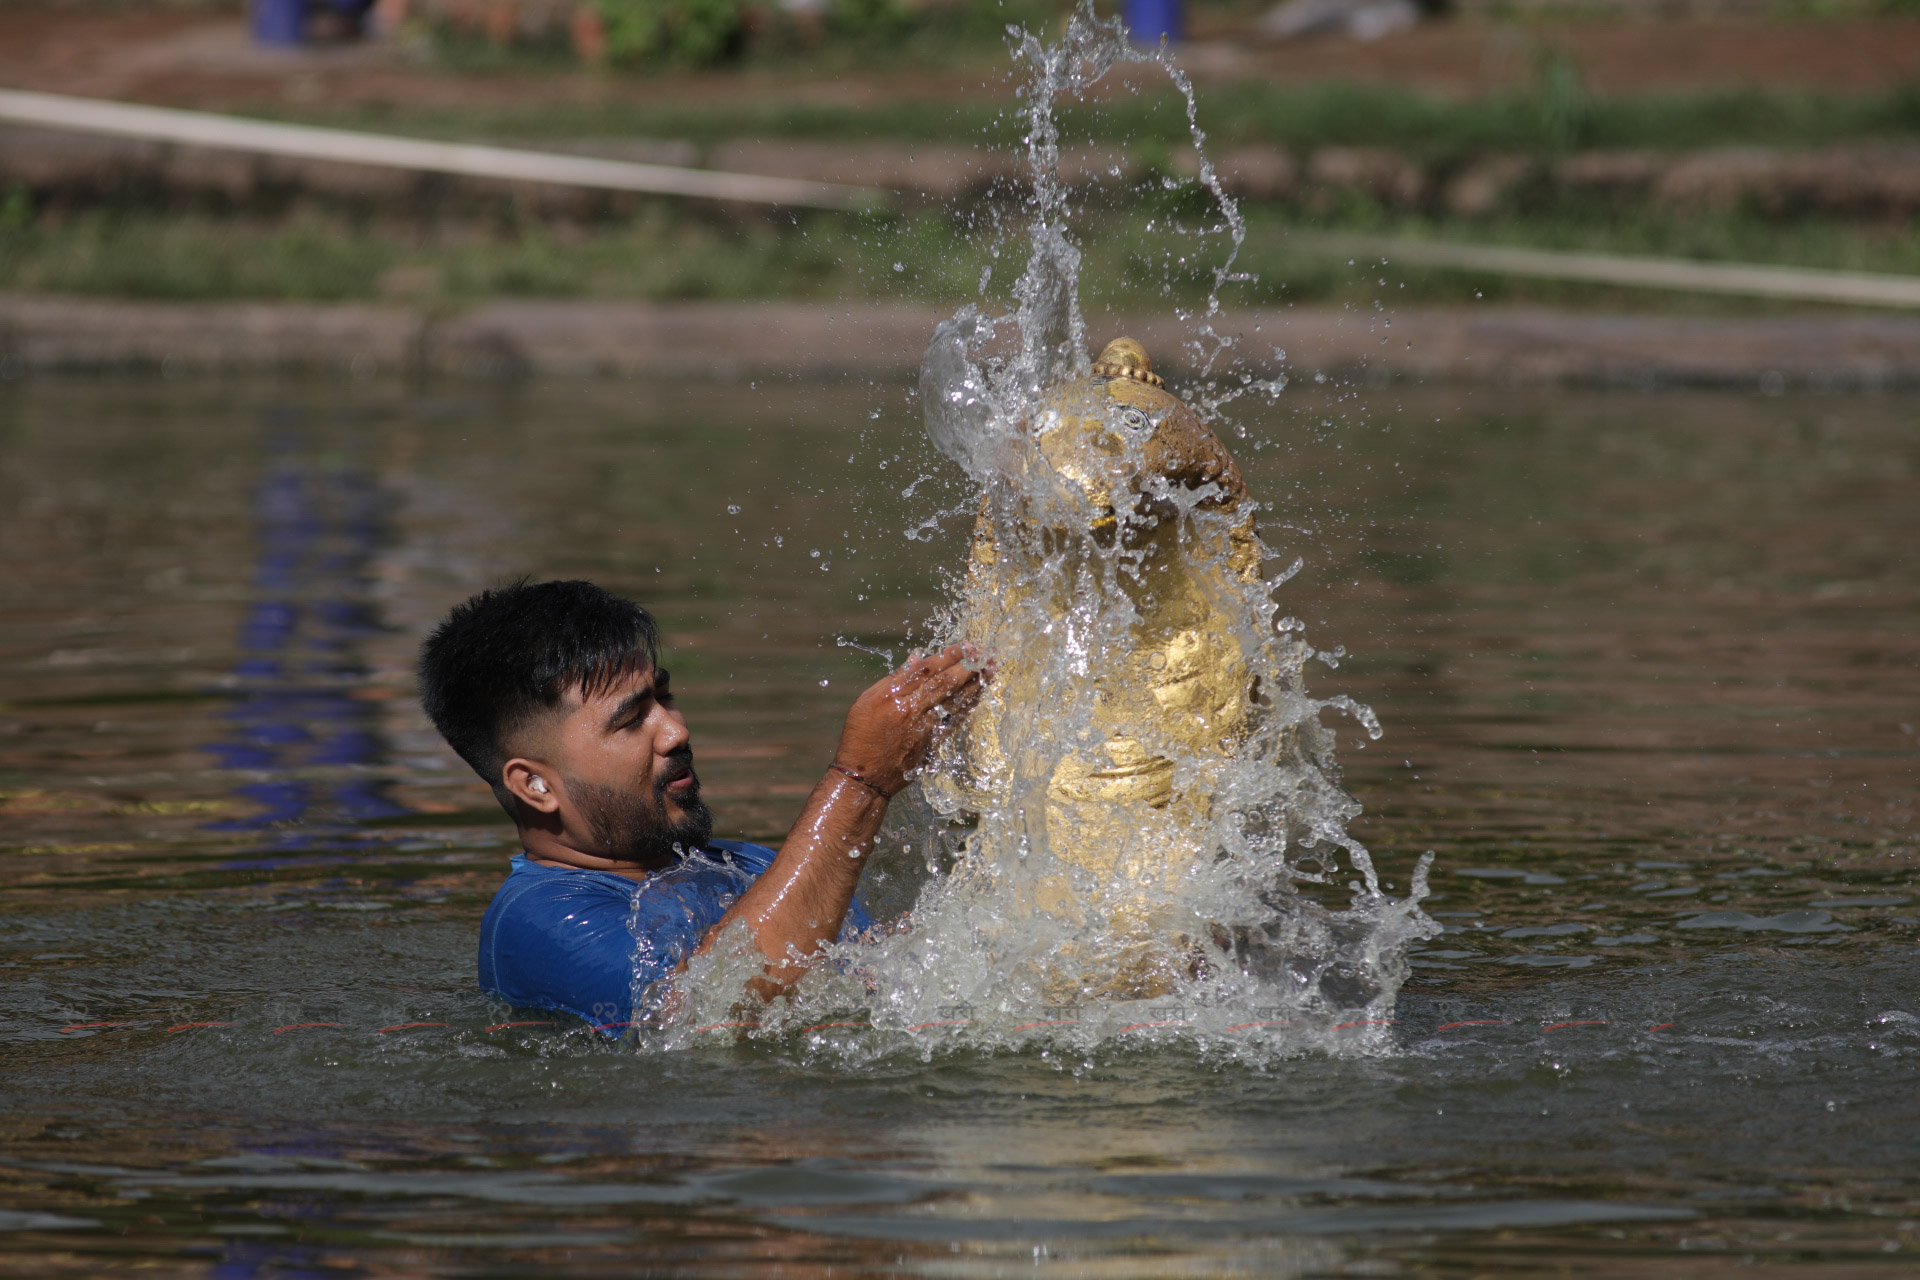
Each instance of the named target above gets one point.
<point>895,725</point>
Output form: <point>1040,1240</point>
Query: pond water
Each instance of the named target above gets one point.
<point>1646,665</point>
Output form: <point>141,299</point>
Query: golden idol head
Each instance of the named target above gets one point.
<point>1111,433</point>
<point>1125,358</point>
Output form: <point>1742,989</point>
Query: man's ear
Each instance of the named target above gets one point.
<point>533,784</point>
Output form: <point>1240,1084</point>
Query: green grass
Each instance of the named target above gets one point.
<point>1555,117</point>
<point>320,257</point>
<point>667,252</point>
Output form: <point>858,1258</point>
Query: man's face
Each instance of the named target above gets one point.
<point>625,761</point>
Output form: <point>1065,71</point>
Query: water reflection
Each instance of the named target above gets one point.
<point>318,526</point>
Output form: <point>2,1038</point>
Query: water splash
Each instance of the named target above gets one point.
<point>1127,842</point>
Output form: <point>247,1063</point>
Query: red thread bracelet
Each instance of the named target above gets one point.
<point>839,768</point>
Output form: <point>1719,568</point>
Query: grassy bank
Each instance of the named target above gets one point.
<point>1133,263</point>
<point>1556,115</point>
<point>323,252</point>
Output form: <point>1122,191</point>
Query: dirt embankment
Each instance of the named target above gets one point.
<point>814,340</point>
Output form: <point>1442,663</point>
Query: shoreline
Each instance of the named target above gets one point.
<point>736,340</point>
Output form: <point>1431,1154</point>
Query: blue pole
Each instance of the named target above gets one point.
<point>1148,20</point>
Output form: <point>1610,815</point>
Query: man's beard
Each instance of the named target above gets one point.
<point>632,825</point>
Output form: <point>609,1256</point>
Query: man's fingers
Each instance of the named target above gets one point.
<point>929,671</point>
<point>948,699</point>
<point>930,664</point>
<point>940,659</point>
<point>970,692</point>
<point>942,685</point>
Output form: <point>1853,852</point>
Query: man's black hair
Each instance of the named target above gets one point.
<point>510,653</point>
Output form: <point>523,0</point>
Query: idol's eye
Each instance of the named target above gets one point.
<point>1134,420</point>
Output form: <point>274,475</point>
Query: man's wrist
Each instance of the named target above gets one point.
<point>848,815</point>
<point>859,777</point>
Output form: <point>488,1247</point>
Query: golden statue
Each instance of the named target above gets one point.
<point>1128,521</point>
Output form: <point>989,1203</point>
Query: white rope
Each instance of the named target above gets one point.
<point>202,129</point>
<point>1801,284</point>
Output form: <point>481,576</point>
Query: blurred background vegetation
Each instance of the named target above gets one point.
<point>1718,132</point>
<point>639,33</point>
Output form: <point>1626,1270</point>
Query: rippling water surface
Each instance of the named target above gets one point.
<point>1647,669</point>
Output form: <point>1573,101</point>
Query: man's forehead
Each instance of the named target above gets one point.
<point>634,677</point>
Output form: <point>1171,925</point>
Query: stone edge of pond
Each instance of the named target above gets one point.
<point>735,340</point>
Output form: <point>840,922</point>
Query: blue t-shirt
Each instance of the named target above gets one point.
<point>584,941</point>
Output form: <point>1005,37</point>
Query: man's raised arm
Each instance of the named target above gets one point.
<point>798,903</point>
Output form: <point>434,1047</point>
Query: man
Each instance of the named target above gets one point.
<point>555,695</point>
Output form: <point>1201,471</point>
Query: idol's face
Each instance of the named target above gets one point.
<point>624,764</point>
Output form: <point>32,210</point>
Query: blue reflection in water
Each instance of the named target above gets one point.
<point>320,522</point>
<point>294,718</point>
<point>246,1260</point>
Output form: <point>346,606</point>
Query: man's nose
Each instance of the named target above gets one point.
<point>673,735</point>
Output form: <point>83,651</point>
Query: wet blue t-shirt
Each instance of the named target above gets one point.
<point>584,941</point>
